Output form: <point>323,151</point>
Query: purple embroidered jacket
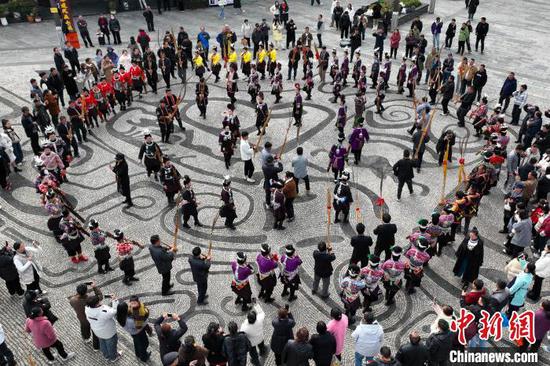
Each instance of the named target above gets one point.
<point>358,138</point>
<point>240,273</point>
<point>265,264</point>
<point>290,266</point>
<point>337,156</point>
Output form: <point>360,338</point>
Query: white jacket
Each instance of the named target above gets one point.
<point>542,265</point>
<point>102,320</point>
<point>6,144</point>
<point>24,265</point>
<point>368,339</point>
<point>246,150</point>
<point>255,332</point>
<point>246,29</point>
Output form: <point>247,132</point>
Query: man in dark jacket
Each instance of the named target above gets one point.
<point>450,34</point>
<point>256,38</point>
<point>508,88</point>
<point>419,139</point>
<point>439,345</point>
<point>68,77</point>
<point>414,353</point>
<point>236,346</point>
<point>385,237</point>
<point>270,171</point>
<point>163,258</point>
<point>31,129</point>
<point>200,266</point>
<point>82,25</point>
<point>479,81</point>
<point>447,90</point>
<point>482,28</point>
<point>58,59</point>
<point>8,272</point>
<point>384,358</point>
<point>169,338</point>
<point>324,345</point>
<point>149,19</point>
<point>466,101</point>
<point>322,269</point>
<point>403,170</point>
<point>55,82</point>
<point>71,54</point>
<point>361,244</point>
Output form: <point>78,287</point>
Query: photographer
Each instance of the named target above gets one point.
<point>169,338</point>
<point>102,322</point>
<point>32,300</point>
<point>78,303</point>
<point>133,317</point>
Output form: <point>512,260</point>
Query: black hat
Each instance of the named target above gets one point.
<point>119,156</point>
<point>341,136</point>
<point>396,250</point>
<point>93,224</point>
<point>289,250</point>
<point>265,248</point>
<point>186,179</point>
<point>118,234</point>
<point>374,260</point>
<point>422,243</point>
<point>65,212</point>
<point>353,270</point>
<point>241,257</point>
<point>423,223</point>
<point>50,193</point>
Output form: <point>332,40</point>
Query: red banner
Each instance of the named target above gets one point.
<point>67,23</point>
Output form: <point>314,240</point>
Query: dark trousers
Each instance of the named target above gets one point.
<point>291,70</point>
<point>480,39</point>
<point>478,90</point>
<point>202,287</point>
<point>516,113</point>
<point>290,41</point>
<point>80,131</point>
<point>506,102</point>
<point>393,53</point>
<point>14,287</point>
<point>408,50</point>
<point>320,38</point>
<point>254,357</point>
<point>306,181</point>
<point>344,32</point>
<point>448,41</point>
<point>116,37</point>
<point>537,286</point>
<point>6,355</point>
<point>289,207</point>
<point>35,284</point>
<point>460,114</point>
<point>86,38</point>
<point>379,249</point>
<point>86,333</point>
<point>60,350</point>
<point>141,343</point>
<point>165,282</point>
<point>461,47</point>
<point>166,5</point>
<point>150,25</point>
<point>401,183</point>
<point>248,168</point>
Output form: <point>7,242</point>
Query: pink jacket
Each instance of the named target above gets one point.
<point>338,329</point>
<point>43,334</point>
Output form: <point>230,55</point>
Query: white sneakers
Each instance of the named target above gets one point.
<point>69,356</point>
<point>250,180</point>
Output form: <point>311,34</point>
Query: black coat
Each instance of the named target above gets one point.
<point>474,258</point>
<point>55,83</point>
<point>297,354</point>
<point>122,178</point>
<point>361,248</point>
<point>282,333</point>
<point>69,81</point>
<point>199,269</point>
<point>439,346</point>
<point>413,354</point>
<point>403,169</point>
<point>235,349</point>
<point>59,61</point>
<point>171,341</point>
<point>162,258</point>
<point>385,235</point>
<point>270,173</point>
<point>8,272</point>
<point>323,263</point>
<point>71,55</point>
<point>480,79</point>
<point>324,347</point>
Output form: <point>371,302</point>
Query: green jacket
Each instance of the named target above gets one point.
<point>464,34</point>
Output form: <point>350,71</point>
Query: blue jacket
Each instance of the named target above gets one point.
<point>520,288</point>
<point>508,87</point>
<point>204,38</point>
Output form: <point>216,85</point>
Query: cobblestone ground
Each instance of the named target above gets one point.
<point>26,49</point>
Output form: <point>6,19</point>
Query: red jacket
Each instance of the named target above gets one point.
<point>545,227</point>
<point>473,296</point>
<point>91,101</point>
<point>394,40</point>
<point>106,88</point>
<point>136,72</point>
<point>126,77</point>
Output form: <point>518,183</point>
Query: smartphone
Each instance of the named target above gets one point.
<point>170,315</point>
<point>108,296</point>
<point>88,283</point>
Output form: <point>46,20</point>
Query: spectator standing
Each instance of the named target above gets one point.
<point>282,332</point>
<point>482,28</point>
<point>149,19</point>
<point>236,347</point>
<point>368,337</point>
<point>169,338</point>
<point>132,316</point>
<point>324,345</point>
<point>6,355</point>
<point>9,273</point>
<point>450,34</point>
<point>542,271</point>
<point>323,257</point>
<point>103,24</point>
<point>253,327</point>
<point>78,303</point>
<point>26,260</point>
<point>337,327</point>
<point>508,88</point>
<point>520,99</point>
<point>413,353</point>
<point>298,352</point>
<point>102,322</point>
<point>82,25</point>
<point>44,336</point>
<point>436,28</point>
<point>114,27</point>
<point>439,344</point>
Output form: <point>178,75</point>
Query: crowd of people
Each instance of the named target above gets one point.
<point>97,87</point>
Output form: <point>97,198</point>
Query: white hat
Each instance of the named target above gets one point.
<point>146,132</point>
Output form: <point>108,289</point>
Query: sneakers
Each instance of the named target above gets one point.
<point>250,180</point>
<point>75,260</point>
<point>69,356</point>
<point>118,356</point>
